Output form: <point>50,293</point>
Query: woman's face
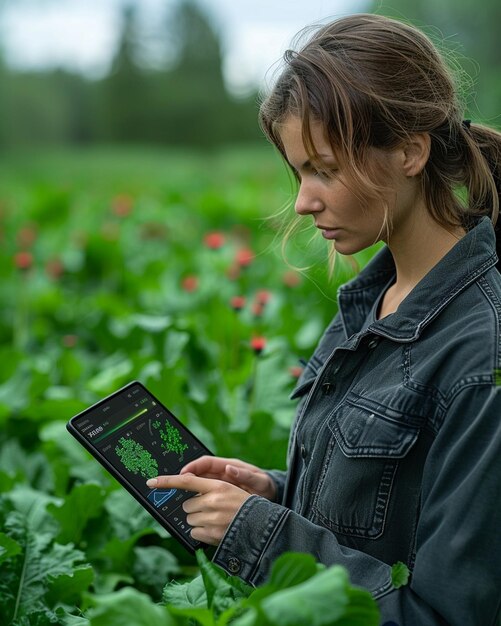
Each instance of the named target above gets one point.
<point>344,218</point>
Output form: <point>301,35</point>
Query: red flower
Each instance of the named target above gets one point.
<point>190,283</point>
<point>295,371</point>
<point>54,268</point>
<point>257,309</point>
<point>214,240</point>
<point>70,341</point>
<point>26,236</point>
<point>244,257</point>
<point>237,303</point>
<point>121,205</point>
<point>23,261</point>
<point>258,344</point>
<point>263,296</point>
<point>291,279</point>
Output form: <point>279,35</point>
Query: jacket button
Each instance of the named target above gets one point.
<point>328,388</point>
<point>234,565</point>
<point>304,452</point>
<point>373,343</point>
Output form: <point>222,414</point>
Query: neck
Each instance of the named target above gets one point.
<point>417,245</point>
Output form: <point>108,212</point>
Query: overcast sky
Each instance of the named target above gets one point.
<point>82,34</point>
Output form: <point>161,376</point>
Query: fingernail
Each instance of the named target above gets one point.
<point>233,470</point>
<point>152,482</point>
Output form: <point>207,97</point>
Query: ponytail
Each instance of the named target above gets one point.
<point>483,175</point>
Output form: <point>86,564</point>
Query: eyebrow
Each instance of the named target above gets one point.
<point>307,164</point>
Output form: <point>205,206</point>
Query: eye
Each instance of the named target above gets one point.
<point>327,174</point>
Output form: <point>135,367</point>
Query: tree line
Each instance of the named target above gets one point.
<point>183,101</point>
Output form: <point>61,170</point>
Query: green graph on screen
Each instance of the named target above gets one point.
<point>136,458</point>
<point>171,439</point>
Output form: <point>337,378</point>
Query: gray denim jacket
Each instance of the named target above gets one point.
<point>395,453</point>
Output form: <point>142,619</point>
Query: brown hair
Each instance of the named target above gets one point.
<point>373,81</point>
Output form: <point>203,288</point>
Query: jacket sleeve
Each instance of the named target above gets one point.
<point>456,578</point>
<point>278,477</point>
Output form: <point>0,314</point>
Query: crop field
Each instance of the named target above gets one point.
<point>163,267</point>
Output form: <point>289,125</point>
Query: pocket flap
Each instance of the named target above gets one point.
<point>365,432</point>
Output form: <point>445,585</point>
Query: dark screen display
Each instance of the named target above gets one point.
<point>142,439</point>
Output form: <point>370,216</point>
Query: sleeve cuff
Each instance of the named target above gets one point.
<point>248,536</point>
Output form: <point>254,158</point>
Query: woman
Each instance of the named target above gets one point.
<point>395,454</point>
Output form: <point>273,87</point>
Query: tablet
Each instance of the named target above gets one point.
<point>135,437</point>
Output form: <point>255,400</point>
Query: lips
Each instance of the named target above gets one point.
<point>330,233</point>
<point>327,227</point>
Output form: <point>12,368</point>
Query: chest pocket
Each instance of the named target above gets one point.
<point>357,473</point>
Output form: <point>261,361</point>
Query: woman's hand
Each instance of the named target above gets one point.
<point>244,475</point>
<point>212,510</point>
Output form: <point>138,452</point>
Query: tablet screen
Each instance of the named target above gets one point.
<point>142,439</point>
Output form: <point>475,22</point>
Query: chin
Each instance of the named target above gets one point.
<point>348,245</point>
<point>347,248</point>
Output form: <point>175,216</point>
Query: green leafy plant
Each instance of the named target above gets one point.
<point>102,282</point>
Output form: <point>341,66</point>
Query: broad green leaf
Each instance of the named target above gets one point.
<point>114,372</point>
<point>151,323</point>
<point>7,482</point>
<point>32,504</point>
<point>117,553</point>
<point>26,578</point>
<point>106,582</point>
<point>8,547</point>
<point>322,600</point>
<point>223,591</point>
<point>127,516</point>
<point>205,617</point>
<point>399,574</point>
<point>190,594</point>
<point>175,342</point>
<point>127,607</point>
<point>154,566</point>
<point>83,503</point>
<point>67,588</point>
<point>292,568</point>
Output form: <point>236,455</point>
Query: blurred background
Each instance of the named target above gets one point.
<point>186,72</point>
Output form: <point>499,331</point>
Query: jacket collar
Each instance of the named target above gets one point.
<point>472,256</point>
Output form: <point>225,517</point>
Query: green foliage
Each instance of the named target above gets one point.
<point>399,574</point>
<point>127,229</point>
<point>299,592</point>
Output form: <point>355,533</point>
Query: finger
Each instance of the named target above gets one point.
<point>251,481</point>
<point>205,465</point>
<point>189,482</point>
<point>255,480</point>
<point>213,465</point>
<point>203,519</point>
<point>200,465</point>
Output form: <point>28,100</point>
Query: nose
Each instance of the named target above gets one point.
<point>307,200</point>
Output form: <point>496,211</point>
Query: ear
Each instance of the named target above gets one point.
<point>416,152</point>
